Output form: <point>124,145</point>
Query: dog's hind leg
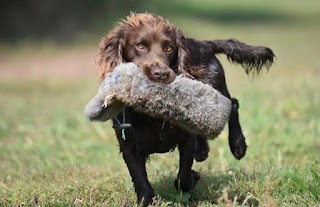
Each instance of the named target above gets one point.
<point>237,141</point>
<point>187,178</point>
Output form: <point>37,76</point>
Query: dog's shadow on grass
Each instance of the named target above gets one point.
<point>216,189</point>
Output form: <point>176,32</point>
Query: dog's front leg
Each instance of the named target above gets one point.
<point>136,163</point>
<point>187,178</point>
<point>203,149</point>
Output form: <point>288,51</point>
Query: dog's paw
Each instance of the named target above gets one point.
<point>187,184</point>
<point>146,200</point>
<point>203,149</point>
<point>239,147</point>
<point>202,154</point>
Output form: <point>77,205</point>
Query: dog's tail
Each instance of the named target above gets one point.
<point>251,58</point>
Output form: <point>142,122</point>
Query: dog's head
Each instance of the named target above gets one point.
<point>148,40</point>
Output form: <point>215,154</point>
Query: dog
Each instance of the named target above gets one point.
<point>162,51</point>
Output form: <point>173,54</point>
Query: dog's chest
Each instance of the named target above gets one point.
<point>150,135</point>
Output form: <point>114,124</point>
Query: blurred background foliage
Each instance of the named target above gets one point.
<point>65,20</point>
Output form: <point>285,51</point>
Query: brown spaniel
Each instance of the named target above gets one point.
<point>162,52</point>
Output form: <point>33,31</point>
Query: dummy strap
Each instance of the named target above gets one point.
<point>123,126</point>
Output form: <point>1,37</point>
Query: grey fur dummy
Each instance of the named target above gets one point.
<point>190,104</point>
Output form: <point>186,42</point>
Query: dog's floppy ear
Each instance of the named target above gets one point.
<point>182,56</point>
<point>110,51</point>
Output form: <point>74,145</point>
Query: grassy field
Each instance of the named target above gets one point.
<point>50,155</point>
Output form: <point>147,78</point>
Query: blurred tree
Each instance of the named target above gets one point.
<point>58,19</point>
<point>64,20</point>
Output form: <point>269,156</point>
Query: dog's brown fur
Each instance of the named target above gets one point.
<point>120,46</point>
<point>161,51</point>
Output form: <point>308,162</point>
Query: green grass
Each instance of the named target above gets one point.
<point>50,155</point>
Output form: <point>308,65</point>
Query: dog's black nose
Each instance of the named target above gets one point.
<point>158,73</point>
<point>161,74</point>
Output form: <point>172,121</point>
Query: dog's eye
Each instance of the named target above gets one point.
<point>140,46</point>
<point>168,49</point>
